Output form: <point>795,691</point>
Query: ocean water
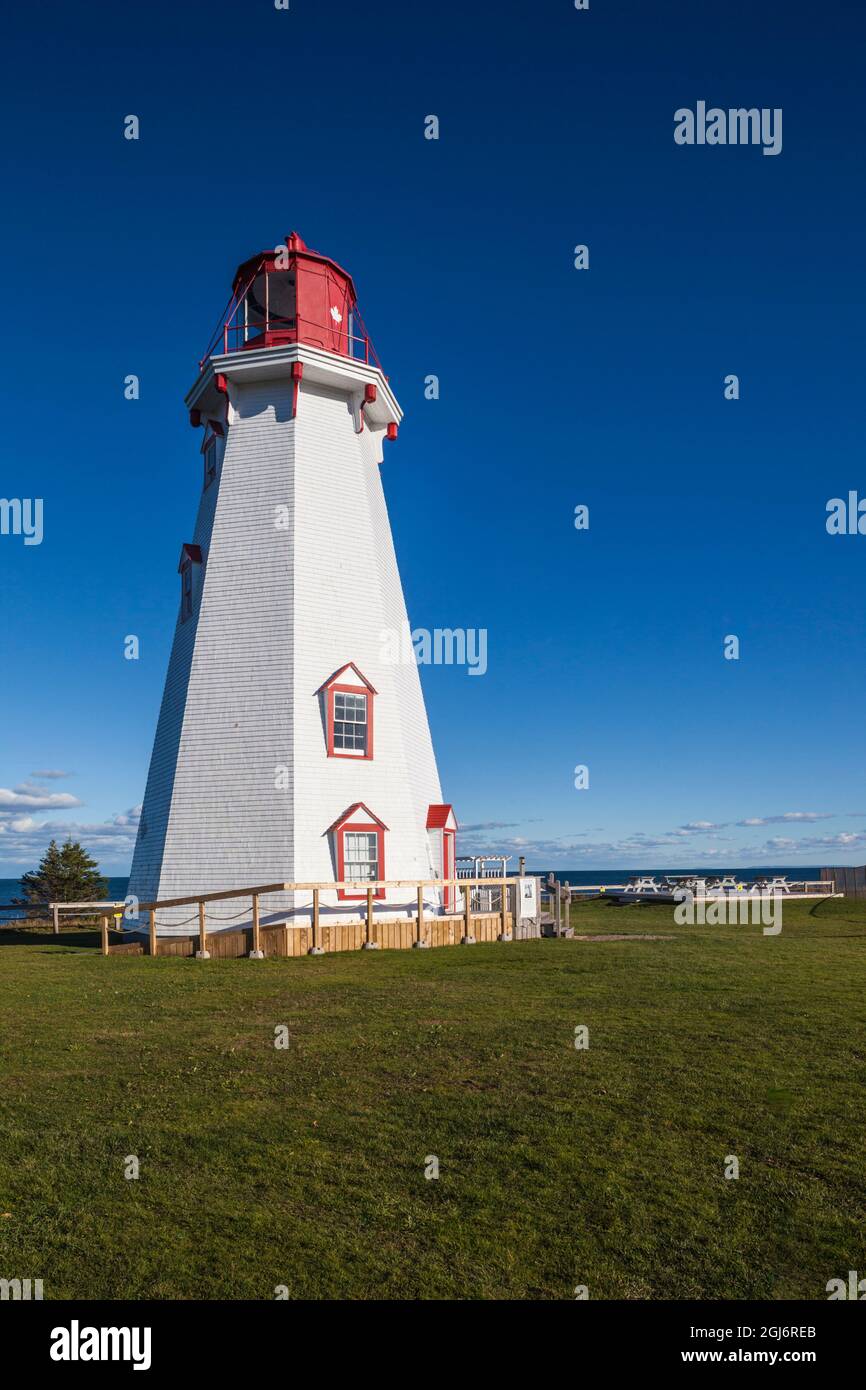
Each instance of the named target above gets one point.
<point>577,877</point>
<point>11,887</point>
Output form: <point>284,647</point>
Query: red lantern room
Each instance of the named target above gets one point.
<point>293,295</point>
<point>292,311</point>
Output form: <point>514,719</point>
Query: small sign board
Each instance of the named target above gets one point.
<point>527,898</point>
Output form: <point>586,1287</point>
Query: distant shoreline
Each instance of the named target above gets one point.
<point>117,886</point>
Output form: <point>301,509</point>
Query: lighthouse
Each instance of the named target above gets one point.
<point>291,745</point>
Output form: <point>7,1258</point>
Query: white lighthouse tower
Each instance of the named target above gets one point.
<point>291,746</point>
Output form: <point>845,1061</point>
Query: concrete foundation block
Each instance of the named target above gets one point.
<point>420,945</point>
<point>467,941</point>
<point>256,955</point>
<point>202,955</point>
<point>371,946</point>
<point>316,951</point>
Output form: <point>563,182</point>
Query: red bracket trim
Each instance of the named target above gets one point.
<point>297,378</point>
<point>370,395</point>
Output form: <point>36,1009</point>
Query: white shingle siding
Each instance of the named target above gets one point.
<point>435,848</point>
<point>277,611</point>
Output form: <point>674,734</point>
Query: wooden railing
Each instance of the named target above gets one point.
<point>363,887</point>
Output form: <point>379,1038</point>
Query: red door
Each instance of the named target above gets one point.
<point>448,867</point>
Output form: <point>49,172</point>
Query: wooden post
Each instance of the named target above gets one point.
<point>503,908</point>
<point>152,933</point>
<point>257,949</point>
<point>315,919</point>
<point>556,908</point>
<point>567,906</point>
<point>202,929</point>
<point>55,915</point>
<point>105,936</point>
<point>467,910</point>
<point>419,936</point>
<point>369,916</point>
<point>521,865</point>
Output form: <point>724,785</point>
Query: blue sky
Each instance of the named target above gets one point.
<point>558,387</point>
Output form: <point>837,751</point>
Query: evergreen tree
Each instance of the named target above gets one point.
<point>65,875</point>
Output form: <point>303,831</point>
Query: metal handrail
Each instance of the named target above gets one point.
<point>241,337</point>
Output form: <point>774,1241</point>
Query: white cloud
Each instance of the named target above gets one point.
<point>806,817</point>
<point>24,840</point>
<point>684,847</point>
<point>635,849</point>
<point>490,825</point>
<point>810,847</point>
<point>33,798</point>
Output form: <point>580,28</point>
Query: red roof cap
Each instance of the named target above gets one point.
<point>300,250</point>
<point>356,806</point>
<point>437,816</point>
<point>188,551</point>
<point>349,666</point>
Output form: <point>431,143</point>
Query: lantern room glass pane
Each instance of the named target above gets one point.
<point>256,303</point>
<point>282,302</point>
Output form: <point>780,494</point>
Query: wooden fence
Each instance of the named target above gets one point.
<point>848,880</point>
<point>318,938</point>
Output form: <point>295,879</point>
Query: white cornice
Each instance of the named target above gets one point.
<point>274,364</point>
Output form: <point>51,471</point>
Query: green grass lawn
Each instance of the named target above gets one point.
<point>558,1167</point>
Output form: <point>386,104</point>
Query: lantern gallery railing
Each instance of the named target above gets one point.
<point>364,888</point>
<point>247,323</point>
<point>238,336</point>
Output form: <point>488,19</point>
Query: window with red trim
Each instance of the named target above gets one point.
<point>359,846</point>
<point>349,700</point>
<point>186,590</point>
<point>209,455</point>
<point>190,556</point>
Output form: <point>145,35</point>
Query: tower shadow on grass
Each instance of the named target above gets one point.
<point>78,937</point>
